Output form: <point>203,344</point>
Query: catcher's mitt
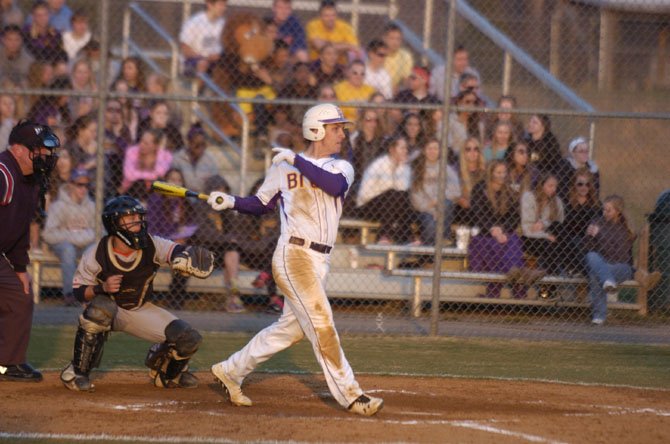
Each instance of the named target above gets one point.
<point>194,261</point>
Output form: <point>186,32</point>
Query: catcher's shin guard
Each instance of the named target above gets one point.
<point>94,326</point>
<point>168,361</point>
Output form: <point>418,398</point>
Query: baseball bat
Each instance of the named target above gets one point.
<point>167,189</point>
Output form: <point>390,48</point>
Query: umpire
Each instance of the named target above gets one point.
<point>24,171</point>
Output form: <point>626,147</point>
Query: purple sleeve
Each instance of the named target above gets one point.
<point>331,183</point>
<point>253,205</point>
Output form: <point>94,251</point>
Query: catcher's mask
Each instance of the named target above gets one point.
<point>35,137</point>
<point>121,206</point>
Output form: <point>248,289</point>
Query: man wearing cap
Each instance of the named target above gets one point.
<point>416,92</point>
<point>24,168</point>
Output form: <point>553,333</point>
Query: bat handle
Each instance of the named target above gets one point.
<point>202,196</point>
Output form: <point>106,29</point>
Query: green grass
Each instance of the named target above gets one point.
<point>620,364</point>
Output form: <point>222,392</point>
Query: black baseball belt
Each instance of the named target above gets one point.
<point>321,248</point>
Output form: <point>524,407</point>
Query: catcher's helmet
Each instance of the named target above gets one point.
<point>122,206</point>
<point>318,116</point>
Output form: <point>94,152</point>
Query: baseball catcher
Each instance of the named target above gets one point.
<point>115,281</point>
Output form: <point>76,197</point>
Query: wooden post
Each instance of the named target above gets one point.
<point>643,264</point>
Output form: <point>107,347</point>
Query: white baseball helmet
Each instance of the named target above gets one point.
<point>318,116</point>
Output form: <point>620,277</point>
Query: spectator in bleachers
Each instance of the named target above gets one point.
<point>327,28</point>
<point>354,88</point>
<point>82,81</point>
<point>496,248</point>
<point>53,110</point>
<point>367,142</point>
<point>194,162</point>
<point>130,109</point>
<point>70,227</point>
<point>15,61</point>
<point>60,15</point>
<point>43,41</point>
<point>10,14</point>
<point>472,170</point>
<point>610,255</point>
<point>299,88</point>
<point>40,75</point>
<point>375,72</point>
<point>325,69</point>
<point>91,52</point>
<point>116,139</point>
<point>425,171</point>
<point>143,163</point>
<point>412,131</point>
<point>132,72</point>
<point>326,93</point>
<point>386,124</point>
<point>545,152</point>
<point>383,195</point>
<point>461,65</point>
<point>200,37</point>
<point>579,156</point>
<point>81,143</point>
<point>506,102</point>
<point>8,119</point>
<point>283,129</point>
<point>59,176</point>
<point>582,207</point>
<point>522,173</point>
<point>279,65</point>
<point>399,61</point>
<point>78,36</point>
<point>542,214</point>
<point>159,119</point>
<point>417,92</point>
<point>464,124</point>
<point>500,143</point>
<point>290,30</point>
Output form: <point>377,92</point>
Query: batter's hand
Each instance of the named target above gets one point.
<point>283,154</point>
<point>220,201</point>
<point>112,284</point>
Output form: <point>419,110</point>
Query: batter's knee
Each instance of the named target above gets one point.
<point>184,338</point>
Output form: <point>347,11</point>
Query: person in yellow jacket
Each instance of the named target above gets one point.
<point>327,28</point>
<point>353,89</point>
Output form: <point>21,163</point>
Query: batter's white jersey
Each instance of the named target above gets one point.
<point>306,211</point>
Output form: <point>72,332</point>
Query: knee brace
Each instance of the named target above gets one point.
<point>169,359</point>
<point>94,326</point>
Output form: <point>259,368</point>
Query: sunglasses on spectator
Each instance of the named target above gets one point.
<point>113,109</point>
<point>471,148</point>
<point>583,184</point>
<point>381,54</point>
<point>370,119</point>
<point>81,184</point>
<point>521,152</point>
<point>469,102</point>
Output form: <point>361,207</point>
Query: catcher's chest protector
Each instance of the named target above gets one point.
<point>138,275</point>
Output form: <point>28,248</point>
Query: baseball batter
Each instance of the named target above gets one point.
<point>115,279</point>
<point>310,189</point>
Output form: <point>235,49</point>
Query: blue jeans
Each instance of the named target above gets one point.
<point>600,271</point>
<point>429,224</point>
<point>68,254</point>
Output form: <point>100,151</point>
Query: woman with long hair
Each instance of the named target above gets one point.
<point>522,173</point>
<point>545,151</point>
<point>610,258</point>
<point>501,141</point>
<point>464,124</point>
<point>82,144</point>
<point>472,170</point>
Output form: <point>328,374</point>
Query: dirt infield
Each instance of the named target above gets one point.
<point>299,408</point>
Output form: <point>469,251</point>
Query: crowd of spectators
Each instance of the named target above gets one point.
<point>505,177</point>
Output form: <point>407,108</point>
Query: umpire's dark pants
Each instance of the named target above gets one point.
<point>16,316</point>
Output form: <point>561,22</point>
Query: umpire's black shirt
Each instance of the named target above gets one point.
<point>19,199</point>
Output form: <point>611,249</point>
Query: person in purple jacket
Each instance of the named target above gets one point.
<point>24,169</point>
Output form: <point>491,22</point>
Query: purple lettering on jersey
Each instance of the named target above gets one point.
<point>253,205</point>
<point>331,183</point>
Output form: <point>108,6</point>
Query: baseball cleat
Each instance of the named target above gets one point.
<point>231,387</point>
<point>366,405</point>
<point>188,380</point>
<point>74,381</point>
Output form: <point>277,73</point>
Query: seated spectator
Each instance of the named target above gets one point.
<point>522,174</point>
<point>283,131</point>
<point>132,73</point>
<point>609,260</point>
<point>472,170</point>
<point>399,61</point>
<point>375,73</point>
<point>82,81</point>
<point>53,110</point>
<point>81,143</point>
<point>279,65</point>
<point>60,176</point>
<point>193,161</point>
<point>542,214</point>
<point>496,248</point>
<point>70,227</point>
<point>116,139</point>
<point>545,152</point>
<point>167,217</point>
<point>425,171</point>
<point>299,88</point>
<point>327,28</point>
<point>578,157</point>
<point>501,142</point>
<point>15,61</point>
<point>461,65</point>
<point>8,119</point>
<point>412,131</point>
<point>582,207</point>
<point>386,123</point>
<point>463,124</point>
<point>200,37</point>
<point>40,76</point>
<point>326,93</point>
<point>383,195</point>
<point>290,30</point>
<point>367,142</point>
<point>10,14</point>
<point>78,36</point>
<point>60,15</point>
<point>159,119</point>
<point>417,92</point>
<point>130,109</point>
<point>354,88</point>
<point>326,70</point>
<point>506,102</point>
<point>143,163</point>
<point>43,41</point>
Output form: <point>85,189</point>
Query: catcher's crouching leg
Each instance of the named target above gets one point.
<point>94,326</point>
<point>168,361</point>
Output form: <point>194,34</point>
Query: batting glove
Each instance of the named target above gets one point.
<point>283,154</point>
<point>220,201</point>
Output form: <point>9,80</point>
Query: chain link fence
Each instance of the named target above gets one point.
<point>553,170</point>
